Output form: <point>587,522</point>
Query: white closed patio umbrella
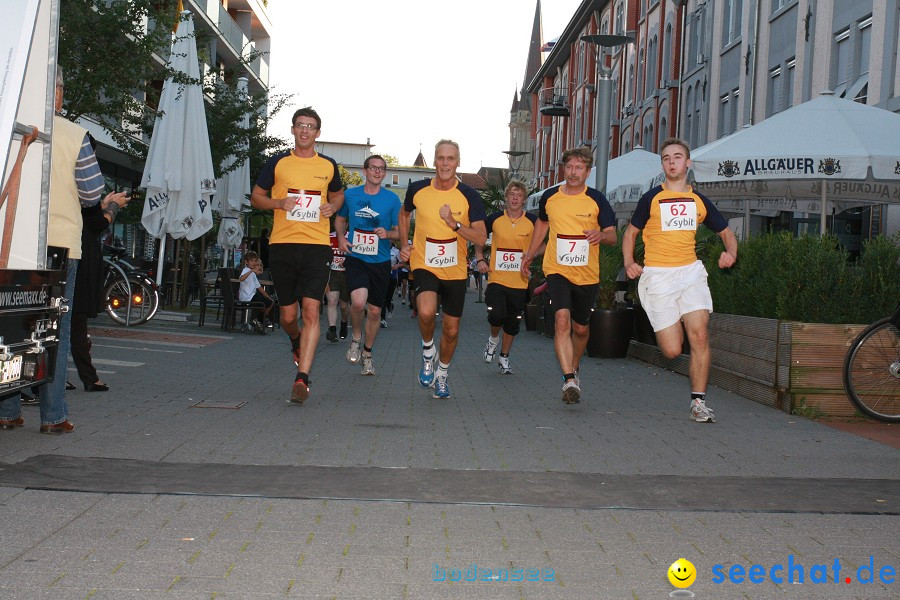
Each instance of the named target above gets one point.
<point>178,174</point>
<point>827,149</point>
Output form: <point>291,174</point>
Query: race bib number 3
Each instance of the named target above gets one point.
<point>507,260</point>
<point>572,250</point>
<point>365,242</point>
<point>440,253</point>
<point>308,206</point>
<point>678,215</point>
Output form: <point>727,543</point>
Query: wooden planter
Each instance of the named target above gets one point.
<point>788,365</point>
<point>817,362</point>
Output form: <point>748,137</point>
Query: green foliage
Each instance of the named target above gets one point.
<point>493,197</point>
<point>807,278</point>
<point>349,178</point>
<point>391,160</point>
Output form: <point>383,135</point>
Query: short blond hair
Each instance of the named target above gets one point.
<point>515,185</point>
<point>673,141</point>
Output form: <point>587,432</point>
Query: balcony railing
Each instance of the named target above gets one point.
<point>555,101</point>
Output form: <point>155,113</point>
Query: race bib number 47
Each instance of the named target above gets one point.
<point>440,253</point>
<point>678,215</point>
<point>308,204</point>
<point>572,250</point>
<point>365,242</point>
<point>507,260</point>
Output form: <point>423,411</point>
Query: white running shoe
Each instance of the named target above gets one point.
<point>571,392</point>
<point>489,349</point>
<point>503,361</point>
<point>353,352</point>
<point>368,366</point>
<point>700,412</point>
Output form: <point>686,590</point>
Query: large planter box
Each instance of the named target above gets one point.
<point>817,362</point>
<point>784,364</point>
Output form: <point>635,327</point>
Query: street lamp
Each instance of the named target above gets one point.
<point>515,161</point>
<point>604,99</point>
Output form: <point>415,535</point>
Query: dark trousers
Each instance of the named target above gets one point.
<point>81,349</point>
<point>389,301</point>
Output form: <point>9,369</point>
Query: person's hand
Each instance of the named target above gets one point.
<point>634,270</point>
<point>525,269</point>
<point>726,260</point>
<point>445,214</point>
<point>483,266</point>
<point>328,210</point>
<point>381,232</point>
<point>594,236</point>
<point>404,253</point>
<point>288,203</point>
<point>344,244</point>
<point>120,198</point>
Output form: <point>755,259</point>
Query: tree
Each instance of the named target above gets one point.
<point>391,160</point>
<point>349,178</point>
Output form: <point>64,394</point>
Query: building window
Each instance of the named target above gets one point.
<point>779,4</point>
<point>689,109</point>
<point>699,39</point>
<point>773,99</point>
<point>650,85</point>
<point>734,109</point>
<point>395,179</point>
<point>789,83</point>
<point>581,58</point>
<point>667,56</point>
<point>731,21</point>
<point>604,26</point>
<point>841,62</point>
<point>640,75</point>
<point>620,18</point>
<point>723,115</point>
<point>662,135</point>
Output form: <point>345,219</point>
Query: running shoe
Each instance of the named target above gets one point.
<point>331,335</point>
<point>700,412</point>
<point>489,349</point>
<point>299,391</point>
<point>353,352</point>
<point>383,324</point>
<point>368,365</point>
<point>503,361</point>
<point>426,372</point>
<point>441,388</point>
<point>571,392</point>
<point>343,332</point>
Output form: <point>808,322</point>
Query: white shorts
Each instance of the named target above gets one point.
<point>667,293</point>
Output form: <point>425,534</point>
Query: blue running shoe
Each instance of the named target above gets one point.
<point>426,372</point>
<point>441,388</point>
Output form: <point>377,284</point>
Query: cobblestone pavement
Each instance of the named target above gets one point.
<point>185,394</point>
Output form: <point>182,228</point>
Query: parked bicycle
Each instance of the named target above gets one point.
<point>872,369</point>
<point>131,297</point>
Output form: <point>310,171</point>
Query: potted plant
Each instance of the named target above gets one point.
<point>611,320</point>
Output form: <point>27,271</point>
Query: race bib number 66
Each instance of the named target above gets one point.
<point>307,206</point>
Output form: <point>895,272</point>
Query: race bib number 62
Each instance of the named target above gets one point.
<point>678,215</point>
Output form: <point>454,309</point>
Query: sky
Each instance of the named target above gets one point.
<point>406,73</point>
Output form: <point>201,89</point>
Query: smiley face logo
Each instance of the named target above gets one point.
<point>682,573</point>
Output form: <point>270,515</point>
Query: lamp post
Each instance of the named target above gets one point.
<point>515,161</point>
<point>604,100</point>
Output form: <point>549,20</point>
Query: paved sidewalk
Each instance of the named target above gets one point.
<point>633,420</point>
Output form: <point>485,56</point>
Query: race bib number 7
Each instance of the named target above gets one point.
<point>365,242</point>
<point>308,204</point>
<point>440,253</point>
<point>678,215</point>
<point>572,250</point>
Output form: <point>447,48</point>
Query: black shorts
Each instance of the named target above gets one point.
<point>299,271</point>
<point>578,299</point>
<point>375,277</point>
<point>451,291</point>
<point>505,306</point>
<point>257,297</point>
<point>401,275</point>
<point>337,282</point>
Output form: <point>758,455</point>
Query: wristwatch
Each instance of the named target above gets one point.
<point>458,226</point>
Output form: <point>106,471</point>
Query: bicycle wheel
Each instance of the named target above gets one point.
<point>143,301</point>
<point>872,371</point>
